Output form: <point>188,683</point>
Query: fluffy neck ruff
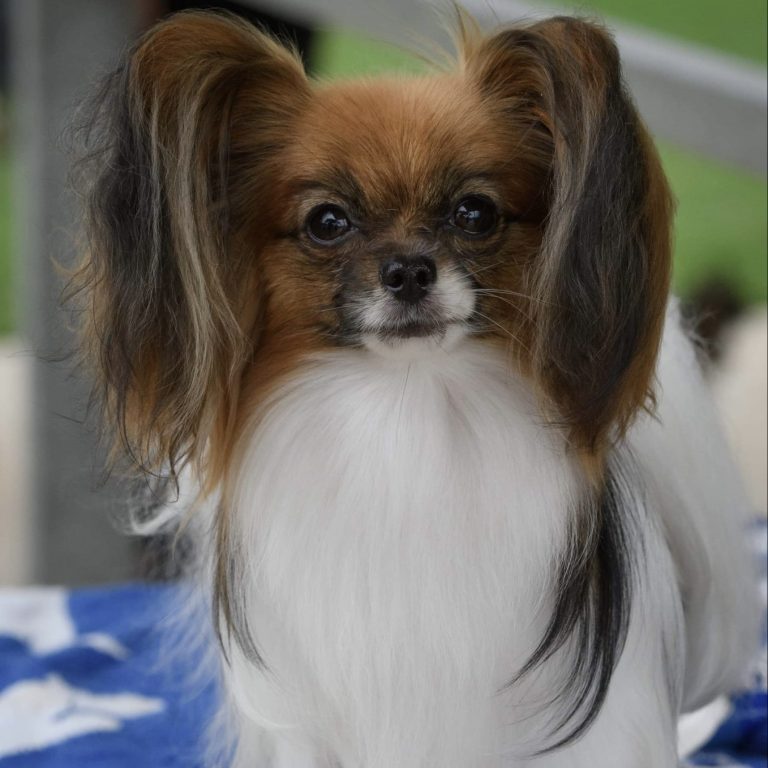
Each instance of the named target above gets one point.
<point>393,535</point>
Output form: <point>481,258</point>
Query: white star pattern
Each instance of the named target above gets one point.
<point>35,714</point>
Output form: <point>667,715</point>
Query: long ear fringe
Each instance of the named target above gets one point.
<point>159,277</point>
<point>601,282</point>
<point>605,259</point>
<point>593,602</point>
<point>599,289</point>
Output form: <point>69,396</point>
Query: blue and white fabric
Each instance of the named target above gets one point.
<point>85,683</point>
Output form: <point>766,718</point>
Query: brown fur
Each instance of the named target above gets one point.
<point>181,146</point>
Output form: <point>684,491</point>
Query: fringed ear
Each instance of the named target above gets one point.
<point>600,283</point>
<point>179,146</point>
<point>598,288</point>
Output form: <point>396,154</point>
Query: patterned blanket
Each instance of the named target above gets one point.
<point>83,684</point>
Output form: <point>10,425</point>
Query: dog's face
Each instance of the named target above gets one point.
<point>243,217</point>
<point>406,212</point>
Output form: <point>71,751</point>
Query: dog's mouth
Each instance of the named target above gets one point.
<point>391,323</point>
<point>412,329</point>
<point>414,340</point>
<point>435,321</point>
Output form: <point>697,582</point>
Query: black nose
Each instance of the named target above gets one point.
<point>409,278</point>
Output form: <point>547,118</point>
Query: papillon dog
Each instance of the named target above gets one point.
<point>456,489</point>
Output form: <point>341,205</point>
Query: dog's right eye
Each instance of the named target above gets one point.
<point>327,223</point>
<point>475,215</point>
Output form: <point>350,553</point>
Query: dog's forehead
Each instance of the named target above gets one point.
<point>397,138</point>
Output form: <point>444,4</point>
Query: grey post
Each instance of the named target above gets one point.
<point>58,50</point>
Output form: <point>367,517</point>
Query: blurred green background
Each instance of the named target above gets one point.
<point>721,219</point>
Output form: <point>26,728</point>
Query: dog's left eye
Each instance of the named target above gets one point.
<point>327,223</point>
<point>474,215</point>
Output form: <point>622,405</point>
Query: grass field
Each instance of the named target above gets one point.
<point>720,229</point>
<point>721,221</point>
<point>736,27</point>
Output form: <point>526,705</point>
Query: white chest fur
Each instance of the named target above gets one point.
<point>399,520</point>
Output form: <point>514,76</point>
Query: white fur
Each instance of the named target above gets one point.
<point>695,488</point>
<point>398,556</point>
<point>401,517</point>
<point>451,299</point>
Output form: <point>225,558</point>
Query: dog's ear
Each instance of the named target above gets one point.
<point>600,283</point>
<point>179,144</point>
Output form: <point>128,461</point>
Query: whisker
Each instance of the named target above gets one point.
<point>487,267</point>
<point>512,304</point>
<point>504,330</point>
<point>527,297</point>
<point>502,291</point>
<point>402,399</point>
<point>337,308</point>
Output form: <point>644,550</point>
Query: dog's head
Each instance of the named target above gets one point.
<point>242,216</point>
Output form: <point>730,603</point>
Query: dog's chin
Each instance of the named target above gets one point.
<point>414,341</point>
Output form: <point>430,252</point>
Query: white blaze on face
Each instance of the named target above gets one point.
<point>450,304</point>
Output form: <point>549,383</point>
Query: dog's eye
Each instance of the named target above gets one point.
<point>474,215</point>
<point>327,223</point>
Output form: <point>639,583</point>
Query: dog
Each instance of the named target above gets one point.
<point>457,493</point>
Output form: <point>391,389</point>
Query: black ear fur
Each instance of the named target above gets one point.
<point>592,603</point>
<point>600,287</point>
<point>602,279</point>
<point>162,279</point>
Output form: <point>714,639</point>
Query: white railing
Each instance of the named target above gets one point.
<point>694,97</point>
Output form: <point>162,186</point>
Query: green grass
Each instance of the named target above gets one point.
<point>737,27</point>
<point>338,53</point>
<point>720,226</point>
